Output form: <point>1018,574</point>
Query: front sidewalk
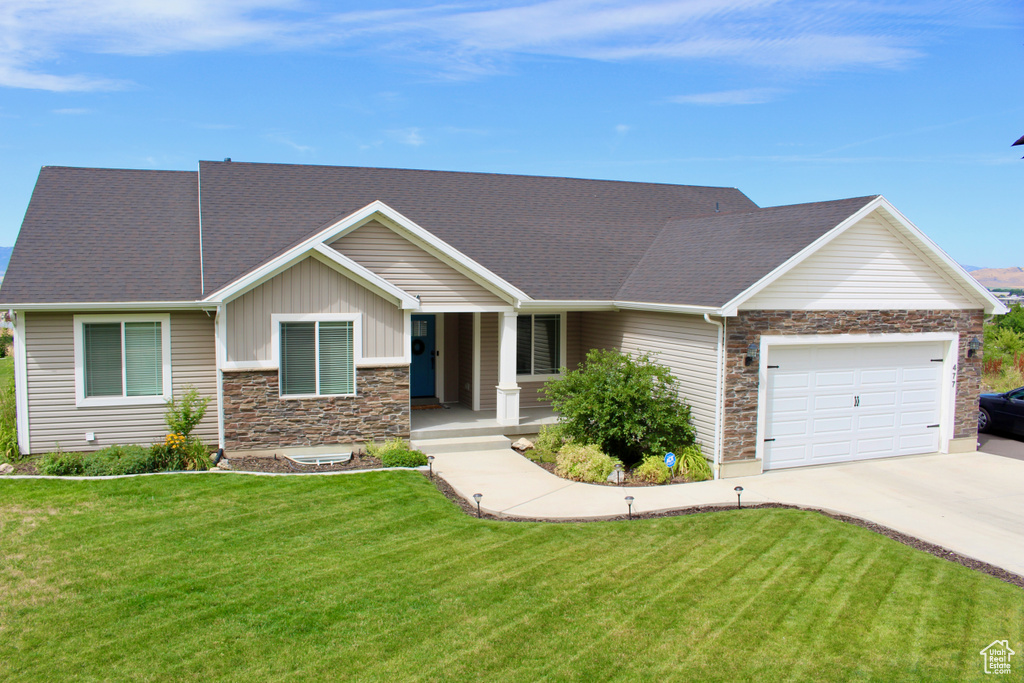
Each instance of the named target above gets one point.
<point>970,503</point>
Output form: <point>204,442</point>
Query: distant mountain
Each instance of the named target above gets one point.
<point>5,257</point>
<point>970,269</point>
<point>1000,277</point>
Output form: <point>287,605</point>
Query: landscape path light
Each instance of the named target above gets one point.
<point>477,497</point>
<point>618,473</point>
<point>430,464</point>
<point>629,502</point>
<point>739,492</point>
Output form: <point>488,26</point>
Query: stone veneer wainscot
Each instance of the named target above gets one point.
<point>256,418</point>
<point>741,382</point>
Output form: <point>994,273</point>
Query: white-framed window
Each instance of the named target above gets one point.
<point>316,354</point>
<point>540,345</point>
<point>122,359</point>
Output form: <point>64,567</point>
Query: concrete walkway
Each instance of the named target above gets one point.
<point>971,503</point>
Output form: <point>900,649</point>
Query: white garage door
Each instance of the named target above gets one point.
<point>838,402</point>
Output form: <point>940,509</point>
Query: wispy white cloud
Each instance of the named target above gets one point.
<point>622,128</point>
<point>73,111</point>
<point>407,136</point>
<point>285,140</point>
<point>728,97</point>
<point>475,38</point>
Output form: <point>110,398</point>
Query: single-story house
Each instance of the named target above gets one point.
<point>312,303</point>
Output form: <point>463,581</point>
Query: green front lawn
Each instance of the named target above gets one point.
<point>379,577</point>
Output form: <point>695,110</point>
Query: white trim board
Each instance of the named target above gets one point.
<point>21,383</point>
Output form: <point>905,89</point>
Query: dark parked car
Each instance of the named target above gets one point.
<point>1002,412</point>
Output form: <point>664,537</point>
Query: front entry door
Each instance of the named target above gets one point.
<point>423,356</point>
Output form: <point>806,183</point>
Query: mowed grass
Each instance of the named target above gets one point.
<point>6,370</point>
<point>378,577</point>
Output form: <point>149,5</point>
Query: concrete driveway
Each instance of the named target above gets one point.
<point>971,503</point>
<point>1006,446</point>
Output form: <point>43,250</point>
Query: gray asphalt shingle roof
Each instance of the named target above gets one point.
<point>98,235</point>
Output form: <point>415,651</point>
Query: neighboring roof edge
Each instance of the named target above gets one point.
<point>354,220</point>
<point>106,305</point>
<point>989,303</point>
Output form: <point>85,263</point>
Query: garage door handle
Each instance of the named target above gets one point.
<point>931,426</point>
<point>856,401</point>
<point>767,440</point>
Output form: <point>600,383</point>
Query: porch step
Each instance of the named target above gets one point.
<point>462,444</point>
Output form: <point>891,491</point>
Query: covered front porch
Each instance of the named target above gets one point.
<point>487,369</point>
<point>457,420</point>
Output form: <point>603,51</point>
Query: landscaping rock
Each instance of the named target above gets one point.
<point>523,445</point>
<point>6,468</point>
<point>223,464</point>
<point>617,477</point>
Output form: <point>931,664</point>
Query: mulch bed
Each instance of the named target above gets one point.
<point>899,537</point>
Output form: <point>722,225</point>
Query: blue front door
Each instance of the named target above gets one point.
<point>423,356</point>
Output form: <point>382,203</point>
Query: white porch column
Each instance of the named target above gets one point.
<point>508,390</point>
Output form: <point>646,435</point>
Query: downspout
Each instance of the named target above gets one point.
<point>719,397</point>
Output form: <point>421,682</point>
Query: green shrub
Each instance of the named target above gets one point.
<point>183,415</point>
<point>396,453</point>
<point>583,463</point>
<point>61,464</point>
<point>177,454</point>
<point>114,460</point>
<point>629,405</point>
<point>548,443</point>
<point>690,463</point>
<point>652,470</point>
<point>8,423</point>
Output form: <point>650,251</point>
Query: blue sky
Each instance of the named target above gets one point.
<point>789,101</point>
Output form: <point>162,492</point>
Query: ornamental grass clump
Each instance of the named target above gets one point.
<point>652,470</point>
<point>396,452</point>
<point>584,463</point>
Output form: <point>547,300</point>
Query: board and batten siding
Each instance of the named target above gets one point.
<point>53,417</point>
<point>311,287</point>
<point>867,267</point>
<point>410,268</point>
<point>686,344</point>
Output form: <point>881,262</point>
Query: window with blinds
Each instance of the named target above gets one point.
<point>123,359</point>
<point>317,358</point>
<point>538,344</point>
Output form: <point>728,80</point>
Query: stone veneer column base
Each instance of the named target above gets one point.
<point>256,417</point>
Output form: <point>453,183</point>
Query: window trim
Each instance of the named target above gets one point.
<point>82,401</point>
<point>357,347</point>
<point>562,344</point>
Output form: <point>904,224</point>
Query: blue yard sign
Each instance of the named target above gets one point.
<point>670,459</point>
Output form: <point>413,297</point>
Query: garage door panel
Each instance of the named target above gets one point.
<point>834,403</point>
<point>832,425</point>
<point>924,442</point>
<point>925,375</point>
<point>878,399</point>
<point>877,421</point>
<point>791,404</point>
<point>832,380</point>
<point>830,450</point>
<point>876,447</point>
<point>793,380</point>
<point>787,455</point>
<point>915,397</point>
<point>886,377</point>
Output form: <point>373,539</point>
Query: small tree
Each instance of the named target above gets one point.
<point>183,415</point>
<point>628,405</point>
